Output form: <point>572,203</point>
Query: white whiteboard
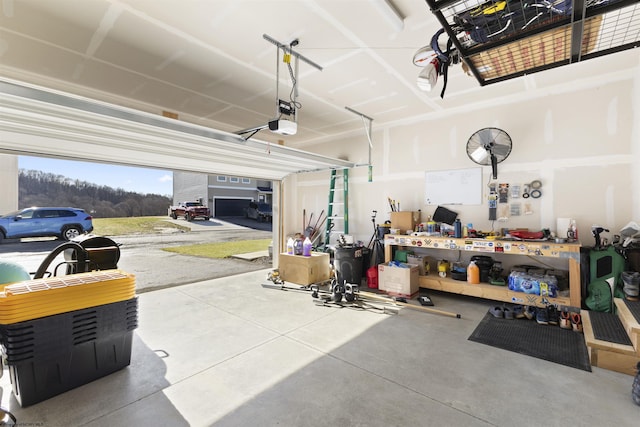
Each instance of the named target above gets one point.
<point>454,187</point>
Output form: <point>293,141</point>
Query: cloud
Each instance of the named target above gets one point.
<point>165,178</point>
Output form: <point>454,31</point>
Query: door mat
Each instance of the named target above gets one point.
<point>634,308</point>
<point>527,337</point>
<point>608,327</point>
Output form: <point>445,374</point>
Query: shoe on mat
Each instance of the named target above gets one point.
<point>518,311</point>
<point>508,313</point>
<point>576,322</point>
<point>635,389</point>
<point>565,320</point>
<point>497,312</point>
<point>542,317</point>
<point>530,312</point>
<point>552,314</point>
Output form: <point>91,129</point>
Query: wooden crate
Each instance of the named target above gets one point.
<point>304,270</point>
<point>404,220</point>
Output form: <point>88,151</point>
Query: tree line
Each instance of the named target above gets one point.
<point>37,188</point>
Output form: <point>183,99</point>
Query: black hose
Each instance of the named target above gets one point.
<point>81,256</point>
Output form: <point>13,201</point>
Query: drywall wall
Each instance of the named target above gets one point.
<point>9,180</point>
<point>582,145</point>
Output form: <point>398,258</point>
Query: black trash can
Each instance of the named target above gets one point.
<point>366,260</point>
<point>348,264</point>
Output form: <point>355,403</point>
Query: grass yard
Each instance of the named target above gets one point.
<point>157,225</point>
<point>222,249</point>
<point>133,225</point>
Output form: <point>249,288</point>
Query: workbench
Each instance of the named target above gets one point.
<point>535,249</point>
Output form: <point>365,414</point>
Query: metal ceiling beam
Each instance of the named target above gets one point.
<point>577,29</point>
<point>287,49</point>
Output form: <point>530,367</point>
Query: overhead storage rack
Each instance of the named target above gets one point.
<point>504,39</point>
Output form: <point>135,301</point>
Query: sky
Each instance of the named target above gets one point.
<point>140,180</point>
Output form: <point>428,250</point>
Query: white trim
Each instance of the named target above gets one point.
<point>222,187</point>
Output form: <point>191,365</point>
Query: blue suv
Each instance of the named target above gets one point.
<point>64,223</point>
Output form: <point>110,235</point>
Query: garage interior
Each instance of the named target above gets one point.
<point>105,80</point>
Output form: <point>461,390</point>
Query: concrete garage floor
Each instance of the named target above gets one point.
<point>241,355</point>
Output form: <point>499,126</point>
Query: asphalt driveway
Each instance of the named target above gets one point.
<point>143,256</point>
<point>246,222</point>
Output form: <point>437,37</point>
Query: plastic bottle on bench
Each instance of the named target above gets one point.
<point>473,273</point>
<point>290,246</point>
<point>306,247</point>
<point>458,229</point>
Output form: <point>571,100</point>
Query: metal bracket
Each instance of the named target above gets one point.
<point>368,131</point>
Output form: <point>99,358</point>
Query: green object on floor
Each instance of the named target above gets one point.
<point>401,256</point>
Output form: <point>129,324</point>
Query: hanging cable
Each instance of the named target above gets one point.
<point>286,58</point>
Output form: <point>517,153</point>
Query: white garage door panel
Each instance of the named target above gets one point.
<point>36,122</point>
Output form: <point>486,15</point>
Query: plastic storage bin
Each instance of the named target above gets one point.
<point>50,355</point>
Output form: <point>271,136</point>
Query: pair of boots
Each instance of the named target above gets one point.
<point>631,285</point>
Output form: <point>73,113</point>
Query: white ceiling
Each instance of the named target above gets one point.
<point>207,60</point>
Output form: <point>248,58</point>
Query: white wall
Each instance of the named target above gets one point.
<point>189,186</point>
<point>582,143</point>
<point>9,180</point>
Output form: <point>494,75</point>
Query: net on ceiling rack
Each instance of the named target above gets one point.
<point>503,39</point>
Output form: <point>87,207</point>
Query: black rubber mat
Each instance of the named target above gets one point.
<point>608,327</point>
<point>527,337</point>
<point>634,308</point>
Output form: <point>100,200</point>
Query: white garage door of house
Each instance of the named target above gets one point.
<point>38,122</point>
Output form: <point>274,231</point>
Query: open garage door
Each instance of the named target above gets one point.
<point>38,122</point>
<point>230,207</point>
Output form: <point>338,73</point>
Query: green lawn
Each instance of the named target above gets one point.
<point>157,225</point>
<point>133,225</point>
<point>223,249</point>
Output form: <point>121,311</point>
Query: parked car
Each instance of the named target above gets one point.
<point>259,211</point>
<point>64,223</point>
<point>190,211</point>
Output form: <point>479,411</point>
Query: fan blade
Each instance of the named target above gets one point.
<point>479,155</point>
<point>501,150</point>
<point>486,137</point>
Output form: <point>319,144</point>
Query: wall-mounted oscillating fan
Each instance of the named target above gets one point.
<point>489,146</point>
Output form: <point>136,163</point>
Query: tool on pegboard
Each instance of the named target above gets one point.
<point>493,202</point>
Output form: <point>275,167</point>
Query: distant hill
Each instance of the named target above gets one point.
<point>37,188</point>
